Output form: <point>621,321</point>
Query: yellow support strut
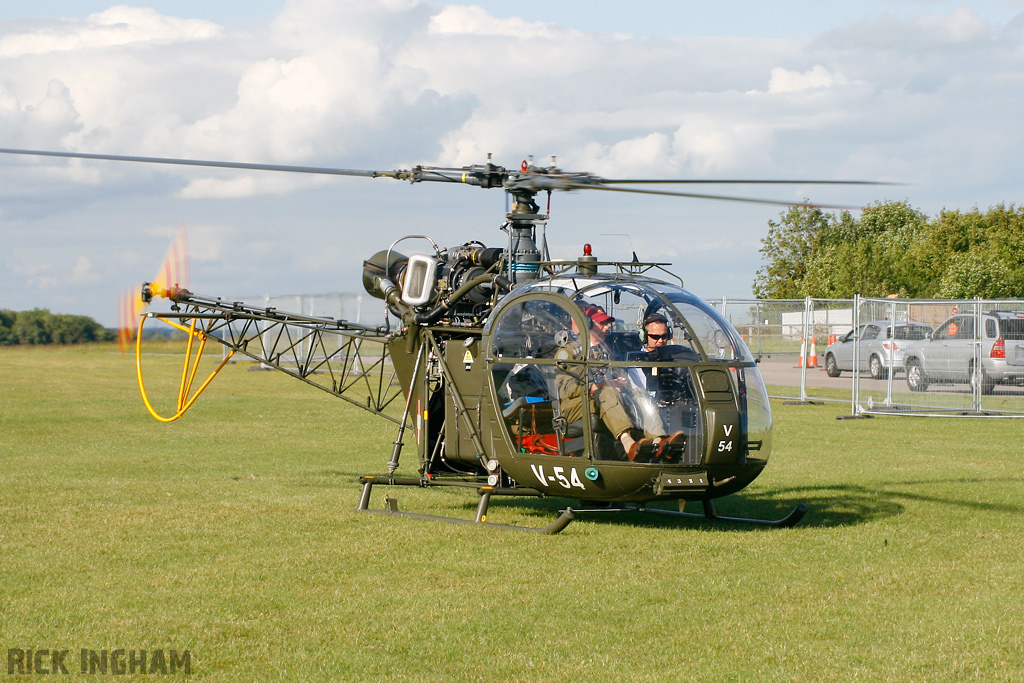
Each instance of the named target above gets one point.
<point>188,374</point>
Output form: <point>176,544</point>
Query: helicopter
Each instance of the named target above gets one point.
<point>502,366</point>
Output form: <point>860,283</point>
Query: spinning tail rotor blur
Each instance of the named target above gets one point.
<point>173,274</point>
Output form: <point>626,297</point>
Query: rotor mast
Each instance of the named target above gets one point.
<point>521,223</point>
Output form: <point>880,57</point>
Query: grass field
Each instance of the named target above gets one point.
<point>232,533</point>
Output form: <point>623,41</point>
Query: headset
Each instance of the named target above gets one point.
<point>656,318</point>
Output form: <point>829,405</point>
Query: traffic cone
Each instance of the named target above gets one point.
<point>812,360</point>
<point>803,352</point>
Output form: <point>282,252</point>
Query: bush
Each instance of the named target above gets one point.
<point>39,326</point>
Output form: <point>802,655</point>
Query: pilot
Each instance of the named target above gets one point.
<point>657,333</point>
<point>658,340</point>
<point>607,399</point>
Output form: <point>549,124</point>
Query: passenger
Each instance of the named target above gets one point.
<point>607,399</point>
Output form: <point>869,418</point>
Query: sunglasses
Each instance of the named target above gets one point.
<point>656,337</point>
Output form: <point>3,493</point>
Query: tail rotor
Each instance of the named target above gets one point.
<point>173,274</point>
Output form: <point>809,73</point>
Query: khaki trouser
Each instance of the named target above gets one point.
<point>606,400</point>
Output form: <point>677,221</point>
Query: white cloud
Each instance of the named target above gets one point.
<point>726,143</point>
<point>210,243</point>
<point>240,186</point>
<point>116,27</point>
<point>963,25</point>
<point>784,80</point>
<point>649,156</point>
<point>34,274</point>
<point>476,21</point>
<point>82,273</point>
<point>915,35</point>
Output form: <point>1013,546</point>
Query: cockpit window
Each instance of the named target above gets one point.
<point>527,336</point>
<point>634,306</point>
<point>718,340</point>
<point>623,302</point>
<point>715,336</point>
<point>531,329</point>
<point>698,330</point>
<point>564,372</point>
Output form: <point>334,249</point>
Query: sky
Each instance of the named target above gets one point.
<point>922,93</point>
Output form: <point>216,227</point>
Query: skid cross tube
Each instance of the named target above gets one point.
<point>391,508</point>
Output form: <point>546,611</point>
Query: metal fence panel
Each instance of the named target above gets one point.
<point>808,351</point>
<point>761,325</point>
<point>788,336</point>
<point>971,364</point>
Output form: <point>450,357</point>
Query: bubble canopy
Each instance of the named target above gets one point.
<point>691,321</point>
<point>563,344</point>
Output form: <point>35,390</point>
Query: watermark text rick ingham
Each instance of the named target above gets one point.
<point>103,662</point>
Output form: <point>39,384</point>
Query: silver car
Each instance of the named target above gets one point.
<point>948,355</point>
<point>882,346</point>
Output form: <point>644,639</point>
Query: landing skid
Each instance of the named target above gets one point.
<point>709,513</point>
<point>566,516</point>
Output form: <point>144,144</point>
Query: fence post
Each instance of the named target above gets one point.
<point>892,354</point>
<point>808,311</point>
<point>760,317</point>
<point>855,375</point>
<point>976,370</point>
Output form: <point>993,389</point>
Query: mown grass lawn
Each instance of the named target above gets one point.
<point>232,533</point>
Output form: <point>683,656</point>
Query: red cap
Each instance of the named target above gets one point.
<point>597,314</point>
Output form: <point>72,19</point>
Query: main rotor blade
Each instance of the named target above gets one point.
<point>734,181</point>
<point>727,198</point>
<point>211,164</point>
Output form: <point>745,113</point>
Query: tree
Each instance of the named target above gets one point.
<point>30,327</point>
<point>976,254</point>
<point>788,248</point>
<point>887,235</point>
<point>7,319</point>
<point>893,248</point>
<point>76,329</point>
<point>970,274</point>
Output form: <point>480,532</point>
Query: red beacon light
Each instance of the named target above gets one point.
<point>587,263</point>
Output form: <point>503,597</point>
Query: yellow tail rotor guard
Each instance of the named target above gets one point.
<point>188,371</point>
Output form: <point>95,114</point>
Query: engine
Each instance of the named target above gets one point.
<point>456,286</point>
